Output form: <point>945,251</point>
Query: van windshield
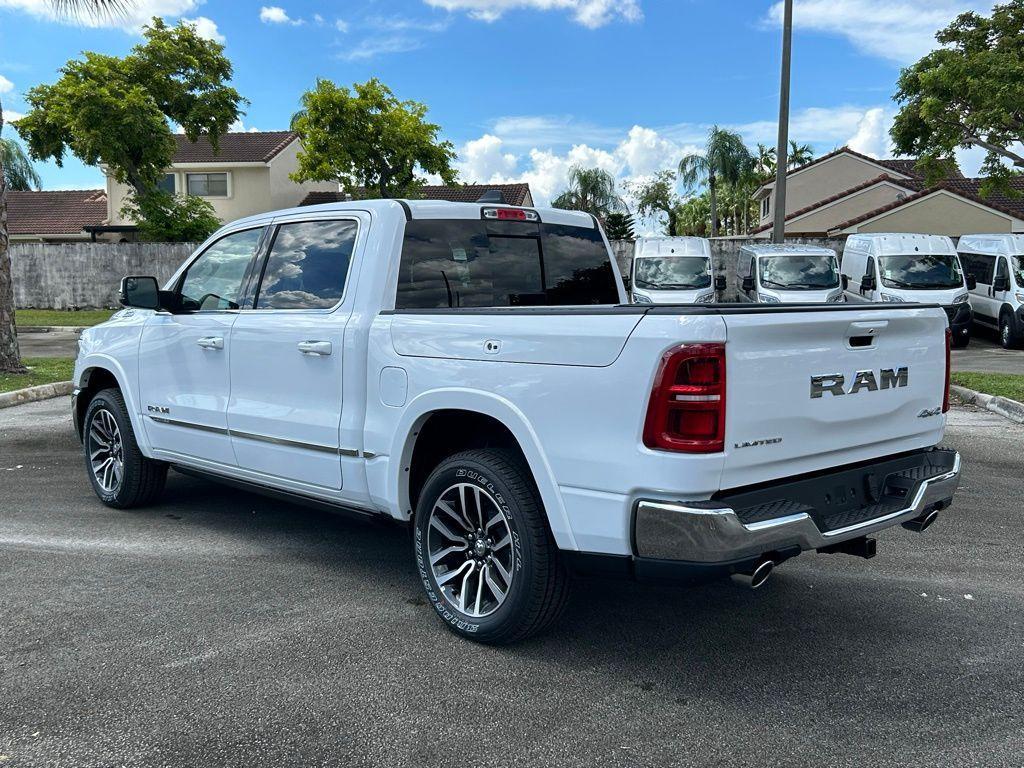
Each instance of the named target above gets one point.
<point>799,272</point>
<point>921,271</point>
<point>668,273</point>
<point>1017,265</point>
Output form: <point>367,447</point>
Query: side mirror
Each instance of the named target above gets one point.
<point>868,283</point>
<point>845,281</point>
<point>141,292</point>
<point>720,283</point>
<point>748,283</point>
<point>1001,283</point>
<point>971,283</point>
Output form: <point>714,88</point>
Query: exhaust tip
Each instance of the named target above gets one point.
<point>922,523</point>
<point>756,577</point>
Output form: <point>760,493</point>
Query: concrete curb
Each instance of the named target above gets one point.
<point>32,394</point>
<point>51,328</point>
<point>1004,406</point>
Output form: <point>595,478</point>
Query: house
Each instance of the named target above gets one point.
<point>248,173</point>
<point>55,217</point>
<point>513,194</point>
<point>845,192</point>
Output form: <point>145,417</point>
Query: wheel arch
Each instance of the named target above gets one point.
<point>96,373</point>
<point>447,407</point>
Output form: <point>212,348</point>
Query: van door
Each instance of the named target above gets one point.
<point>982,301</point>
<point>1001,289</point>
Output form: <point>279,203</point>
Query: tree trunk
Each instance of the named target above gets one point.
<point>10,355</point>
<point>714,204</point>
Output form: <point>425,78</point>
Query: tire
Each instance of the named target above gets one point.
<point>1006,335</point>
<point>120,475</point>
<point>521,556</point>
<point>961,343</point>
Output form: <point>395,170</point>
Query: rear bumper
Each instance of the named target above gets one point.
<point>732,530</point>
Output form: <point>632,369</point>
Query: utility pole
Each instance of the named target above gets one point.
<point>782,150</point>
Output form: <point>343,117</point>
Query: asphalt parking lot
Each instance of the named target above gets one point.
<point>223,628</point>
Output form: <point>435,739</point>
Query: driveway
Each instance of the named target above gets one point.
<point>223,628</point>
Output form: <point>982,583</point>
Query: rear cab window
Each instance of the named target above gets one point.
<point>452,263</point>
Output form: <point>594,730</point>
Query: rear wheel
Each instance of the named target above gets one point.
<point>120,475</point>
<point>485,555</point>
<point>1006,335</point>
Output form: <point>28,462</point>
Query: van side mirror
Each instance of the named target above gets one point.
<point>720,283</point>
<point>868,283</point>
<point>971,283</point>
<point>140,291</point>
<point>845,281</point>
<point>748,283</point>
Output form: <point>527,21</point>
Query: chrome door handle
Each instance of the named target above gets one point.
<point>211,342</point>
<point>322,348</point>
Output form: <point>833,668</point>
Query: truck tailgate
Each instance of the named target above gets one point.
<point>814,389</point>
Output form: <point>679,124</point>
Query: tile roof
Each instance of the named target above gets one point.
<point>63,212</point>
<point>835,198</point>
<point>515,194</point>
<point>965,188</point>
<point>908,167</point>
<point>905,167</point>
<point>248,147</point>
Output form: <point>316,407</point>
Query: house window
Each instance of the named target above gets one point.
<point>766,207</point>
<point>208,184</point>
<point>167,184</point>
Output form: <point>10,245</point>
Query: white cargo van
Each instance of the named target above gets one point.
<point>673,270</point>
<point>996,263</point>
<point>789,274</point>
<point>902,267</point>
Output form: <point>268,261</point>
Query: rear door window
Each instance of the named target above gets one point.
<point>449,263</point>
<point>307,265</point>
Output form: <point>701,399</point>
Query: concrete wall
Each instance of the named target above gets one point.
<point>725,253</point>
<point>86,275</point>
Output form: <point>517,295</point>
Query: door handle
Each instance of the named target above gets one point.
<point>322,348</point>
<point>211,342</point>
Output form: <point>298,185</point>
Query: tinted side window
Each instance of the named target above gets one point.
<point>214,280</point>
<point>978,266</point>
<point>469,263</point>
<point>307,265</point>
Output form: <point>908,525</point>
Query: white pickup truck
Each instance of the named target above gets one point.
<point>473,370</point>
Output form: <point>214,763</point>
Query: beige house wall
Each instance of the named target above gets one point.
<point>285,193</point>
<point>824,180</point>
<point>825,219</point>
<point>941,214</point>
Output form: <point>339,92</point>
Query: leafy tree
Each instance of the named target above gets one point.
<point>799,154</point>
<point>619,226</point>
<point>765,161</point>
<point>725,158</point>
<point>591,190</point>
<point>116,111</point>
<point>366,137</point>
<point>10,354</point>
<point>694,216</point>
<point>171,218</point>
<point>19,174</point>
<point>967,93</point>
<point>658,197</point>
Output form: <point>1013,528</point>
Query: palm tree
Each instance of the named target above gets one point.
<point>799,154</point>
<point>725,158</point>
<point>764,161</point>
<point>591,190</point>
<point>19,174</point>
<point>10,354</point>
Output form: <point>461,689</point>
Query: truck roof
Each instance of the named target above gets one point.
<point>995,244</point>
<point>425,209</point>
<point>673,246</point>
<point>900,243</point>
<point>794,249</point>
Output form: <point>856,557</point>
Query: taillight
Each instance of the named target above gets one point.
<point>687,408</point>
<point>945,393</point>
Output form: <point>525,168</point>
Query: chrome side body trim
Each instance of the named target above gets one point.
<point>705,533</point>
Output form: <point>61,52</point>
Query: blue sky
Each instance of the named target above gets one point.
<point>527,88</point>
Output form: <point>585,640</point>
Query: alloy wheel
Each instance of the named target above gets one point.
<point>469,543</point>
<point>106,450</point>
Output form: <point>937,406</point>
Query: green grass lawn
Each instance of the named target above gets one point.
<point>42,370</point>
<point>83,317</point>
<point>1009,385</point>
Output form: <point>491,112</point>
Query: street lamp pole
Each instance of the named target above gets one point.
<point>782,150</point>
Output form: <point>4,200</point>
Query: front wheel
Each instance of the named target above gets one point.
<point>120,475</point>
<point>484,552</point>
<point>1006,336</point>
<point>961,342</point>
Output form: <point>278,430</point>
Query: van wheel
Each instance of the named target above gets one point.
<point>962,342</point>
<point>1006,337</point>
<point>120,475</point>
<point>484,552</point>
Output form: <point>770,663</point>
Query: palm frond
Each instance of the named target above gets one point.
<point>17,167</point>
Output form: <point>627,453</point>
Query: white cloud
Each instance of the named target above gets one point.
<point>898,30</point>
<point>341,25</point>
<point>374,46</point>
<point>547,130</point>
<point>589,13</point>
<point>239,127</point>
<point>483,160</point>
<point>206,28</point>
<point>6,86</point>
<point>10,116</point>
<point>133,16</point>
<point>273,14</point>
<point>872,136</point>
